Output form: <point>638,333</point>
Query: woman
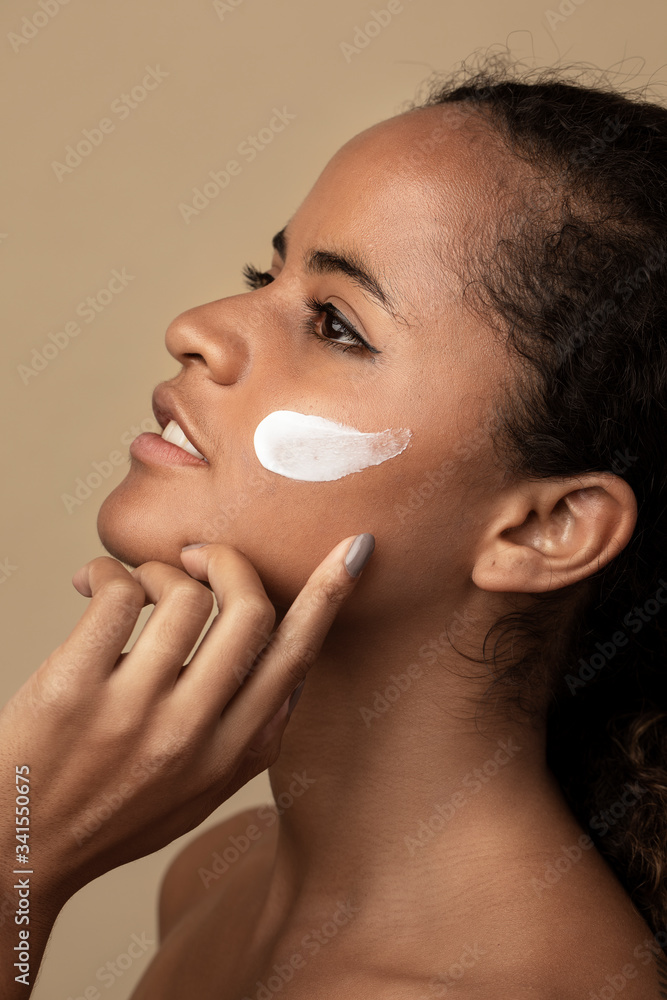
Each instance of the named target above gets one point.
<point>458,351</point>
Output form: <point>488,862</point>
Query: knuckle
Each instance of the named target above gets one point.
<point>167,642</point>
<point>246,663</point>
<point>107,628</point>
<point>150,565</point>
<point>167,754</point>
<point>175,636</point>
<point>53,687</point>
<point>125,728</point>
<point>254,610</point>
<point>330,593</point>
<point>301,662</point>
<point>299,654</point>
<point>193,597</point>
<point>127,593</point>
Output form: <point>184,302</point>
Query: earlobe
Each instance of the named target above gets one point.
<point>552,533</point>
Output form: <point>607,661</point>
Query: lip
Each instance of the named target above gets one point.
<point>167,407</point>
<point>152,449</point>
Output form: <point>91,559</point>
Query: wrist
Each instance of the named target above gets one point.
<point>36,889</point>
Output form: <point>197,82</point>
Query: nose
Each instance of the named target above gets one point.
<point>207,335</point>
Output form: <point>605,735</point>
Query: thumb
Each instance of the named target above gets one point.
<point>273,730</point>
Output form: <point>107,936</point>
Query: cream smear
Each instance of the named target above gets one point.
<point>316,450</point>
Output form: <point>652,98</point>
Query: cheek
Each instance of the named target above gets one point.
<point>309,448</point>
<point>287,527</point>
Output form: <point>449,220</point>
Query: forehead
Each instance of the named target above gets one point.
<point>403,193</point>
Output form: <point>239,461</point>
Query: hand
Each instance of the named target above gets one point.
<point>128,751</point>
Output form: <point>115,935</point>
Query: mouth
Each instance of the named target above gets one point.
<point>175,434</point>
<point>175,428</point>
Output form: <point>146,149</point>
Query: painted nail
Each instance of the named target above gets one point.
<point>359,553</point>
<point>296,694</point>
<point>195,545</point>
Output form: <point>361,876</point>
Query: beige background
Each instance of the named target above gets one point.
<point>61,239</point>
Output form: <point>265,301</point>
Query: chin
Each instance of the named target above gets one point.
<point>131,533</point>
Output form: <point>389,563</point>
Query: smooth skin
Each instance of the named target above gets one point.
<point>399,195</point>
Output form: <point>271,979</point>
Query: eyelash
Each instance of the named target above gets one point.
<point>254,278</point>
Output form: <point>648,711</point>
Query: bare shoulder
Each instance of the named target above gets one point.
<point>595,955</point>
<point>207,861</point>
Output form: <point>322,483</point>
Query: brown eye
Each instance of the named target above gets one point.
<point>333,325</point>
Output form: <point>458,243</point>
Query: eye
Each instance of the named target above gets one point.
<point>333,324</point>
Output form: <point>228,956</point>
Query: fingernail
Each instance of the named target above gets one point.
<point>296,694</point>
<point>359,553</point>
<point>195,545</point>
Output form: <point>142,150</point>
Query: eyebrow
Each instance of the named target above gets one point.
<point>348,263</point>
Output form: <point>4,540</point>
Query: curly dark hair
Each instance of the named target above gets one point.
<point>572,275</point>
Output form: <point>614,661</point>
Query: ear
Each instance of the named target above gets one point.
<point>550,533</point>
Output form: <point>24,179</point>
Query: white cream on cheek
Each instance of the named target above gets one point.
<point>316,450</point>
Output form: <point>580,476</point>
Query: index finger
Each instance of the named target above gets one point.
<point>294,646</point>
<point>96,641</point>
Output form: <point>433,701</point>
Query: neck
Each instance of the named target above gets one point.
<point>392,796</point>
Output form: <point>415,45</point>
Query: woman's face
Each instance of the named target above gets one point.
<point>390,203</point>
